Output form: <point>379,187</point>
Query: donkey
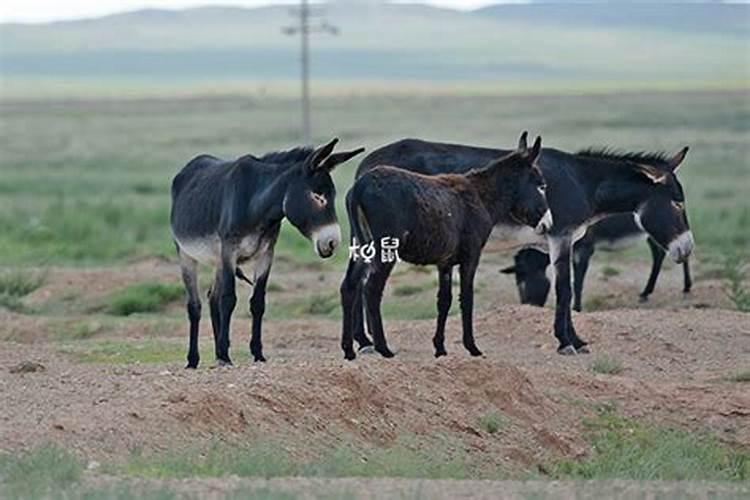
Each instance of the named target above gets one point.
<point>582,189</point>
<point>229,213</point>
<point>443,220</point>
<point>613,233</point>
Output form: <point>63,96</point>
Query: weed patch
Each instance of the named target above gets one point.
<point>143,298</point>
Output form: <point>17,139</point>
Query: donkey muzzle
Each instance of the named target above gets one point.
<point>545,223</point>
<point>681,247</point>
<point>326,239</point>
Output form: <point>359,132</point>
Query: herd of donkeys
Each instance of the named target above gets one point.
<point>429,203</point>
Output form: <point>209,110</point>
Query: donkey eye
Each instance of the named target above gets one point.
<point>542,188</point>
<point>319,200</point>
<point>678,205</point>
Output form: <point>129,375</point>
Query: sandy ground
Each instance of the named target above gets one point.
<point>678,356</point>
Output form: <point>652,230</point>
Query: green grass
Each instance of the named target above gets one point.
<point>628,449</point>
<point>493,422</point>
<point>406,290</point>
<point>606,365</point>
<point>143,298</point>
<point>438,460</point>
<point>735,288</point>
<point>123,352</point>
<point>100,200</point>
<point>16,284</point>
<point>35,473</point>
<point>610,272</point>
<point>741,377</point>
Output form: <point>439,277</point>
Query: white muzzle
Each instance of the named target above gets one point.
<point>545,224</point>
<point>325,240</point>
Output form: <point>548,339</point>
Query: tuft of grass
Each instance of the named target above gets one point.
<point>80,330</point>
<point>492,422</point>
<point>743,376</point>
<point>143,297</point>
<point>408,289</point>
<point>610,272</point>
<point>119,352</point>
<point>16,284</point>
<point>606,365</point>
<point>626,449</point>
<point>735,289</point>
<point>38,472</point>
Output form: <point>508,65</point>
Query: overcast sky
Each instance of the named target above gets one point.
<point>51,10</point>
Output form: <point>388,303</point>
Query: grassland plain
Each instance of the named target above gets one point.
<point>87,182</point>
<point>90,287</point>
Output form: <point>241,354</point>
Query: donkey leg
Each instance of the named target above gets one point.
<point>373,298</point>
<point>213,302</point>
<point>686,275</point>
<point>582,253</point>
<point>227,301</point>
<point>351,306</point>
<point>444,300</point>
<point>657,258</point>
<point>560,248</point>
<point>258,306</point>
<point>189,269</point>
<point>467,270</point>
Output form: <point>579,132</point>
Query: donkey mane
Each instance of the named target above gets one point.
<point>655,159</point>
<point>294,155</point>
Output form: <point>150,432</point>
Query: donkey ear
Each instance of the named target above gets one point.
<point>338,158</point>
<point>535,149</point>
<point>677,159</point>
<point>316,157</point>
<point>508,270</point>
<point>522,145</point>
<point>653,174</point>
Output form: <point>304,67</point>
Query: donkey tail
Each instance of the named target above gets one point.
<point>359,228</point>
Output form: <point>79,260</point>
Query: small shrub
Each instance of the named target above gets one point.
<point>143,297</point>
<point>14,285</point>
<point>606,365</point>
<point>735,289</point>
<point>492,422</point>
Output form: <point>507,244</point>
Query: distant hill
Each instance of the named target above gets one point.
<point>532,42</point>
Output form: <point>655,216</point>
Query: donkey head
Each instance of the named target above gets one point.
<point>529,268</point>
<point>663,214</point>
<point>310,200</point>
<point>530,203</point>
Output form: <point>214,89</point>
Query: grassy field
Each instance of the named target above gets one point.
<point>86,182</point>
<point>84,188</point>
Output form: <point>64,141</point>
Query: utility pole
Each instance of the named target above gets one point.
<point>304,29</point>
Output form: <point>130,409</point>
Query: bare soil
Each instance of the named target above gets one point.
<point>678,357</point>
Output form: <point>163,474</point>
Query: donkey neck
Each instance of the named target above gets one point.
<point>495,195</point>
<point>266,205</point>
<point>616,187</point>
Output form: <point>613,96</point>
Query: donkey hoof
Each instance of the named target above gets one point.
<point>567,350</point>
<point>475,352</point>
<point>350,355</point>
<point>223,362</point>
<point>191,365</point>
<point>385,352</point>
<point>440,352</point>
<point>643,298</point>
<point>259,358</point>
<point>366,349</point>
<point>584,349</point>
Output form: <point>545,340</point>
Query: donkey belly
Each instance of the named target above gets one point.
<point>204,249</point>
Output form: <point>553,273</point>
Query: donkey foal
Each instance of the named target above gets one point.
<point>443,220</point>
